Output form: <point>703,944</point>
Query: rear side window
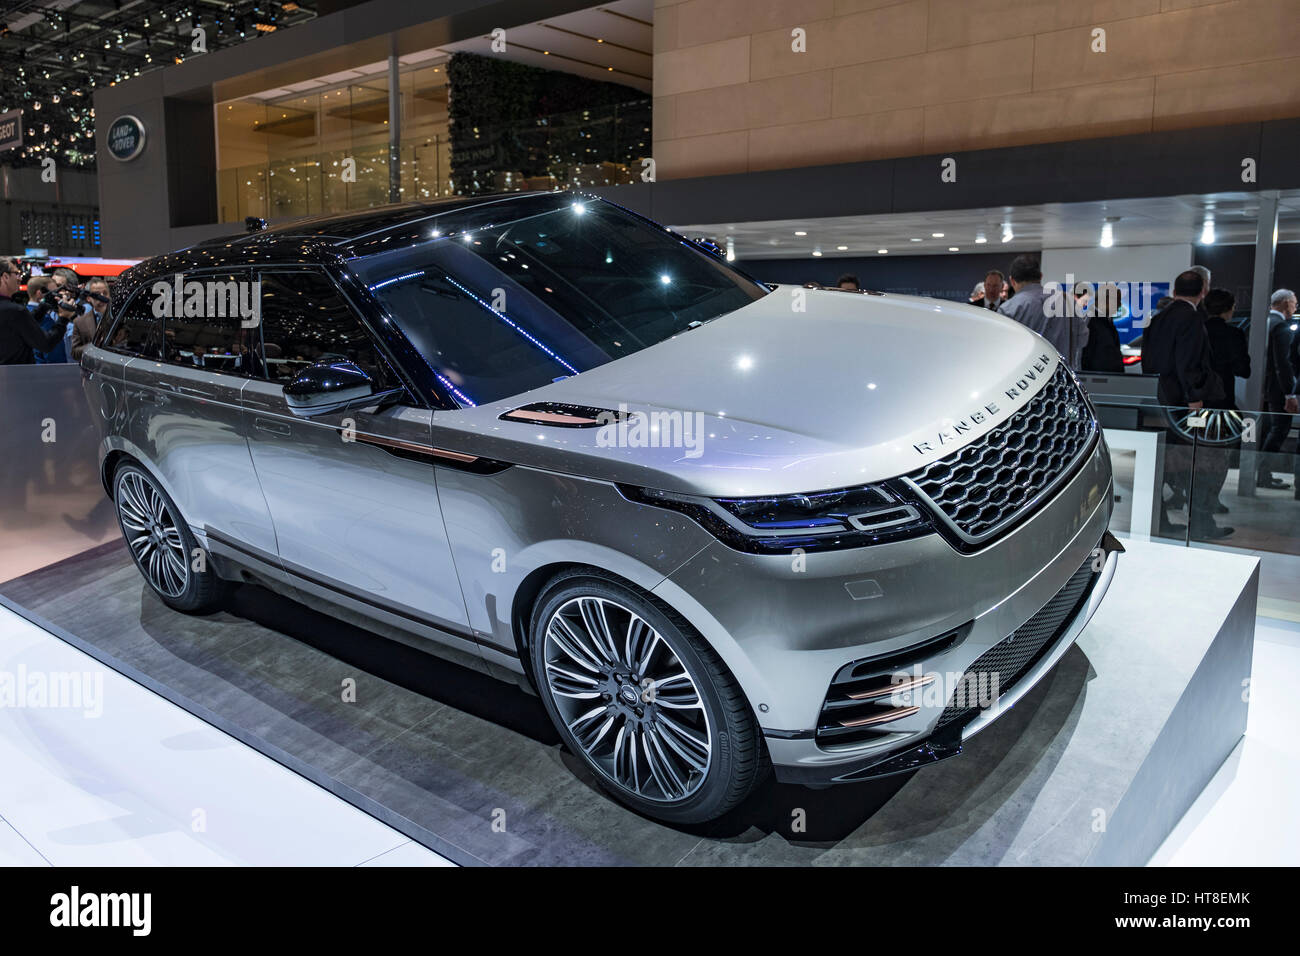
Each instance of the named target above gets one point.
<point>137,331</point>
<point>204,327</point>
<point>306,320</point>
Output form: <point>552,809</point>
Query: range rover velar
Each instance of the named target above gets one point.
<point>723,528</point>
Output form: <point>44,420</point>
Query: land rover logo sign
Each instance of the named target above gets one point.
<point>126,138</point>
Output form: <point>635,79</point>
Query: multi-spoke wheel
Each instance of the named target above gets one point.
<point>643,701</point>
<point>161,545</point>
<point>1210,426</point>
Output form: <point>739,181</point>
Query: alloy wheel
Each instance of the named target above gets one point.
<point>152,534</point>
<point>627,699</point>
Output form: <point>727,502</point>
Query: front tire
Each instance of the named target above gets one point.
<point>162,545</point>
<point>645,703</point>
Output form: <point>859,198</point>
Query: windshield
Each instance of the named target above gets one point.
<point>509,296</point>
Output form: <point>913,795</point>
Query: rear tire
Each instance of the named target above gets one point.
<point>640,697</point>
<point>162,546</point>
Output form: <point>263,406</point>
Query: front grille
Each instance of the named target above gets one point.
<point>992,482</point>
<point>1008,660</point>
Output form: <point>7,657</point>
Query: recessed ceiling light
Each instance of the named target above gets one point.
<point>916,240</point>
<point>953,249</point>
<point>881,252</point>
<point>937,235</point>
<point>841,248</point>
<point>817,252</point>
<point>980,240</point>
<point>800,232</point>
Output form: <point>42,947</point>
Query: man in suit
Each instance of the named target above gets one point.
<point>21,334</point>
<point>85,324</point>
<point>993,285</point>
<point>1177,348</point>
<point>1279,387</point>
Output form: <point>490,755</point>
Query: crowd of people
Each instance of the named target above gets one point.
<point>52,321</point>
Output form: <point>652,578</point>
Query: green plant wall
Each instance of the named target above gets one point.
<point>538,125</point>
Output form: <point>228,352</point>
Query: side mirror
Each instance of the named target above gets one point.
<point>330,387</point>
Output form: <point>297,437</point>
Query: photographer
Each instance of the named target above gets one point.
<point>21,334</point>
<point>87,322</point>
<point>38,289</point>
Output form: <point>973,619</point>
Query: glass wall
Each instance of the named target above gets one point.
<point>285,157</point>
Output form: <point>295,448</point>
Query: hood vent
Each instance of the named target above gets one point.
<point>561,415</point>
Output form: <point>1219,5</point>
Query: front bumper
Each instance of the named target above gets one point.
<point>945,740</point>
<point>787,626</point>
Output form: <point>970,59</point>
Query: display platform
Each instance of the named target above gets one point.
<point>1094,766</point>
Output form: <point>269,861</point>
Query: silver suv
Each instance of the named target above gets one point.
<point>721,527</point>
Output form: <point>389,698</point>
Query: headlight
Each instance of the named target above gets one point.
<point>817,521</point>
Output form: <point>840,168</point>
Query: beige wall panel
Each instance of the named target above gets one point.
<point>770,54</point>
<point>993,69</point>
<point>963,22</point>
<point>844,140</point>
<point>788,99</point>
<point>1224,34</point>
<point>709,111</point>
<point>1252,92</point>
<point>881,34</point>
<point>702,67</point>
<point>706,21</point>
<point>1109,109</point>
<point>702,155</point>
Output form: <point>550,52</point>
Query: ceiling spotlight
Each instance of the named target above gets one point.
<point>980,240</point>
<point>953,249</point>
<point>937,235</point>
<point>731,249</point>
<point>1207,233</point>
<point>800,232</point>
<point>817,251</point>
<point>882,252</point>
<point>916,240</point>
<point>1007,234</point>
<point>841,248</point>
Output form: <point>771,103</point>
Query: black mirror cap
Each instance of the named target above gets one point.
<point>327,386</point>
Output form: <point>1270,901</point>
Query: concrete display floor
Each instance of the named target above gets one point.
<point>1096,765</point>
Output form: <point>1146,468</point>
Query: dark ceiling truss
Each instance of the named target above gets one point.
<point>57,52</point>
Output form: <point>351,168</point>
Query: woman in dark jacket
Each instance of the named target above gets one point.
<point>1102,353</point>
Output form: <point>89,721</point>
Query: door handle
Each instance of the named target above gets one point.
<point>272,426</point>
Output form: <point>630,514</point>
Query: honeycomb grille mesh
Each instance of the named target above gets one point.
<point>1003,665</point>
<point>996,479</point>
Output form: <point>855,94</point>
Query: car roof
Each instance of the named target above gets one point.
<point>326,238</point>
<point>341,228</point>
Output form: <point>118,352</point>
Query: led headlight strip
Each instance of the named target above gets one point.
<point>819,521</point>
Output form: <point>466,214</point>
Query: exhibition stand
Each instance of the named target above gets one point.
<point>1094,767</point>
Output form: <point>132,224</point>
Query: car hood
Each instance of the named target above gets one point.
<point>773,398</point>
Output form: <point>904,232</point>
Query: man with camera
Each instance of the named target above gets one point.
<point>87,322</point>
<point>21,335</point>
